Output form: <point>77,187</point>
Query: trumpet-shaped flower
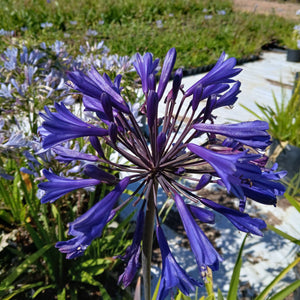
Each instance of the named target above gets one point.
<point>253,134</point>
<point>90,225</point>
<point>132,254</point>
<point>172,274</point>
<point>57,123</point>
<point>58,186</point>
<point>205,254</point>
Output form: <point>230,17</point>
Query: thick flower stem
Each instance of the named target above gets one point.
<point>148,240</point>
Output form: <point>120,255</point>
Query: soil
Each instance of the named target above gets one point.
<point>285,9</point>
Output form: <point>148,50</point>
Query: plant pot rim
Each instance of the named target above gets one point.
<point>293,55</point>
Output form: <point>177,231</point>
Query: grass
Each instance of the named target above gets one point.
<point>130,26</point>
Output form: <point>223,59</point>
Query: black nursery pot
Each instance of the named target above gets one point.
<point>293,55</point>
<point>287,156</point>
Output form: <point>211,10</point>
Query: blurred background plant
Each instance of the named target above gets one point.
<point>206,27</point>
<point>284,128</point>
<point>294,41</point>
<point>284,118</point>
<point>30,266</point>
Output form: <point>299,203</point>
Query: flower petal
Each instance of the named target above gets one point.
<point>204,252</point>
<point>90,225</point>
<point>253,134</point>
<point>172,274</point>
<point>240,220</point>
<point>58,186</point>
<point>167,68</point>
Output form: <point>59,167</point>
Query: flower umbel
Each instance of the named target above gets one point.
<point>166,153</point>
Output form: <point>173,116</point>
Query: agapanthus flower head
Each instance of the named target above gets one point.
<point>180,149</point>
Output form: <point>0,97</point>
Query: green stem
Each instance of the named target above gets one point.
<point>148,240</point>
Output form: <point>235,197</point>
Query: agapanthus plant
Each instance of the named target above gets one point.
<point>33,77</point>
<point>180,149</point>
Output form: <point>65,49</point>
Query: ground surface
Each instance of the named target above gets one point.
<point>283,9</point>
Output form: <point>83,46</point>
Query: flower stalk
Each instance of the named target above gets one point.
<point>148,240</point>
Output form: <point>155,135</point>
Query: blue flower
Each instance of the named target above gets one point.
<point>64,126</point>
<point>46,25</point>
<point>205,253</point>
<point>172,275</point>
<point>166,72</point>
<point>146,69</point>
<point>241,176</point>
<point>222,72</point>
<point>132,254</point>
<point>164,152</point>
<point>230,97</point>
<point>94,85</point>
<point>224,164</point>
<point>240,220</point>
<point>202,214</point>
<point>253,134</point>
<point>58,186</point>
<point>90,225</point>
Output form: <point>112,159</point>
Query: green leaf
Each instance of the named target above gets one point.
<point>3,192</point>
<point>181,296</point>
<point>234,283</point>
<point>220,296</point>
<point>284,235</point>
<point>22,289</point>
<point>43,288</point>
<point>87,278</point>
<point>62,294</point>
<point>268,289</point>
<point>293,201</point>
<point>96,266</point>
<point>154,297</point>
<point>16,272</point>
<point>40,242</point>
<point>251,111</point>
<point>286,291</point>
<point>7,217</point>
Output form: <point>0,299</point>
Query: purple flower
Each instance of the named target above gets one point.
<point>253,134</point>
<point>230,97</point>
<point>57,123</point>
<point>263,188</point>
<point>133,265</point>
<point>241,176</point>
<point>67,155</point>
<point>205,253</point>
<point>224,164</point>
<point>58,186</point>
<point>240,220</point>
<point>165,153</point>
<point>132,254</point>
<point>90,225</point>
<point>172,275</point>
<point>202,214</point>
<point>94,85</point>
<point>222,72</point>
<point>146,68</point>
<point>166,71</point>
